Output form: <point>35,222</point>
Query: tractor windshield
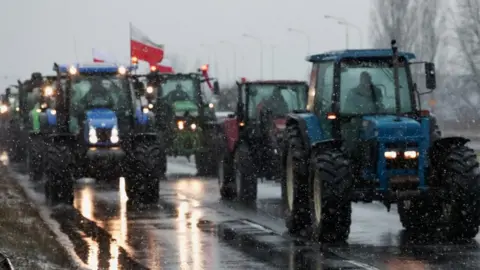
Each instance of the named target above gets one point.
<point>179,90</point>
<point>100,91</point>
<point>367,87</point>
<point>281,99</point>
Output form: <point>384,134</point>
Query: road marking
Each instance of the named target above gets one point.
<point>363,265</point>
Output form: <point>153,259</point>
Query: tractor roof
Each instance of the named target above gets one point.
<point>95,68</point>
<point>338,55</point>
<point>275,82</point>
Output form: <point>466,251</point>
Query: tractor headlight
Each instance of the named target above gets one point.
<point>211,105</point>
<point>193,126</point>
<point>72,70</point>
<point>114,135</point>
<point>150,106</point>
<point>390,154</point>
<point>180,125</point>
<point>145,110</point>
<point>44,106</point>
<point>410,154</point>
<point>48,91</point>
<point>122,70</point>
<point>3,109</point>
<point>92,135</point>
<point>149,90</point>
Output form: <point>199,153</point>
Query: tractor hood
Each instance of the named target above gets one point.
<point>389,126</point>
<point>181,107</point>
<point>101,118</point>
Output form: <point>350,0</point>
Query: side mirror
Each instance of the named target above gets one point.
<point>8,91</point>
<point>430,78</point>
<point>216,88</point>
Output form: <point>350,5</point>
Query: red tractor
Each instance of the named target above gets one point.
<point>251,138</point>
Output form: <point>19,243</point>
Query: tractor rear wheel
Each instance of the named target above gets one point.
<point>148,165</point>
<point>331,190</point>
<point>59,186</point>
<point>295,183</point>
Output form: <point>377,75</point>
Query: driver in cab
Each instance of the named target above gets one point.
<point>275,103</point>
<point>177,95</point>
<point>365,98</point>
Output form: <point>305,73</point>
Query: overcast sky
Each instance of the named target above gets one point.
<point>37,32</point>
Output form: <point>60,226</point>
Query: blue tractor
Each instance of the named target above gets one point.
<point>98,132</point>
<point>363,138</point>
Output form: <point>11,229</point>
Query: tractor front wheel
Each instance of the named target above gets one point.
<point>59,186</point>
<point>148,166</point>
<point>245,178</point>
<point>331,189</point>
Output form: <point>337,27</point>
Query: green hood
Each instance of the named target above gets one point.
<point>181,107</point>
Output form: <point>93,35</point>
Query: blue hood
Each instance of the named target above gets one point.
<point>101,118</point>
<point>389,127</point>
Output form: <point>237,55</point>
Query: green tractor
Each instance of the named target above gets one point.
<point>185,116</point>
<point>30,116</point>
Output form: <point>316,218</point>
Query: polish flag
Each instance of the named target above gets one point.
<point>165,66</point>
<point>102,57</point>
<point>143,48</point>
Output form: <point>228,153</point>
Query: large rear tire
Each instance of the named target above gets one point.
<point>295,195</point>
<point>331,189</point>
<point>59,185</point>
<point>225,174</point>
<point>148,166</point>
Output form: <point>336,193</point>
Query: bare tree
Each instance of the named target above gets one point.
<point>467,29</point>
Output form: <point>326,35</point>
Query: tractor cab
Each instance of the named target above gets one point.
<point>254,134</point>
<point>101,102</point>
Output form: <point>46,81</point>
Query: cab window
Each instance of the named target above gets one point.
<point>324,88</point>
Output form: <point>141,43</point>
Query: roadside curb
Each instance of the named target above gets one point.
<point>268,246</point>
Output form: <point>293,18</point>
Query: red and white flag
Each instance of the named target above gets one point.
<point>165,66</point>
<point>143,48</point>
<point>102,57</point>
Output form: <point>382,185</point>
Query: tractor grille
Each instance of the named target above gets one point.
<point>103,134</point>
<point>402,164</point>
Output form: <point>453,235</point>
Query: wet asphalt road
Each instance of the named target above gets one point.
<point>178,234</point>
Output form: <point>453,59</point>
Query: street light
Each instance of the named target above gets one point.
<point>234,49</point>
<point>347,24</point>
<point>307,37</point>
<point>261,51</point>
<point>273,47</point>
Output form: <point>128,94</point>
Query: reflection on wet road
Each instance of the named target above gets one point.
<point>157,238</point>
<point>376,239</point>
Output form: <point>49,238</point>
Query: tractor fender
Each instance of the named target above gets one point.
<point>444,144</point>
<point>309,126</point>
<point>327,144</point>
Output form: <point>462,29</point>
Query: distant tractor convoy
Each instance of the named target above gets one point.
<point>354,133</point>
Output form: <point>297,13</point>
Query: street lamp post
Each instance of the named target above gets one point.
<point>261,51</point>
<point>234,49</point>
<point>307,37</point>
<point>273,47</point>
<point>347,24</point>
